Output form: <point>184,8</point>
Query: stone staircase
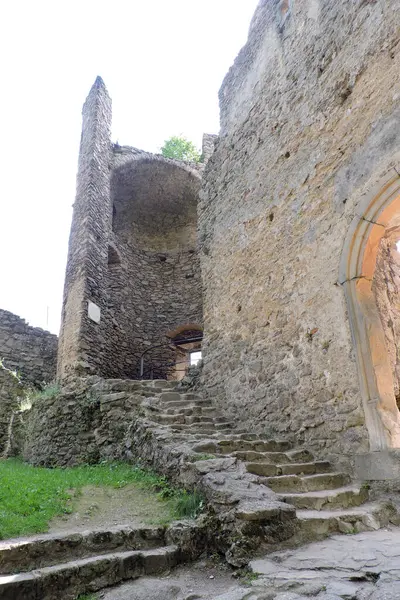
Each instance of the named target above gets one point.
<point>324,502</point>
<point>262,494</point>
<point>49,567</point>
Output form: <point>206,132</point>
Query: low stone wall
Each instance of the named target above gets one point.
<point>59,427</point>
<point>84,422</point>
<point>29,350</point>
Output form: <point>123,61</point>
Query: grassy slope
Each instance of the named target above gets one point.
<point>31,496</point>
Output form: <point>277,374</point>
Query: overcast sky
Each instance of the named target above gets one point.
<point>162,62</point>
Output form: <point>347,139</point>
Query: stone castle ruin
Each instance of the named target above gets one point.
<point>277,256</point>
<point>133,280</point>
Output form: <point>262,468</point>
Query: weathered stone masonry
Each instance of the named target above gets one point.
<point>29,350</point>
<point>309,125</point>
<point>132,254</point>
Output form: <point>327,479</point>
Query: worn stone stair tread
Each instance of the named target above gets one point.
<point>88,574</point>
<point>322,493</point>
<point>370,516</point>
<point>302,455</point>
<point>339,513</point>
<point>314,475</point>
<point>275,458</point>
<point>232,444</point>
<point>305,483</point>
<point>48,549</point>
<point>271,469</point>
<point>186,404</point>
<point>23,540</point>
<point>354,493</point>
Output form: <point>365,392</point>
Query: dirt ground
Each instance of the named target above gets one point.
<point>204,579</point>
<point>107,507</point>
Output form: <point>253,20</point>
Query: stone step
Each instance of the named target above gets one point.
<point>274,458</point>
<point>166,419</point>
<point>245,435</point>
<point>308,468</point>
<point>166,397</point>
<point>264,510</point>
<point>299,455</point>
<point>217,417</point>
<point>269,469</point>
<point>69,580</point>
<point>189,427</point>
<point>200,433</point>
<point>25,554</point>
<point>193,396</point>
<point>237,443</point>
<point>186,403</point>
<point>306,483</point>
<point>205,426</point>
<point>351,495</point>
<point>224,425</point>
<point>181,419</point>
<point>209,410</point>
<point>368,517</point>
<point>198,419</point>
<point>188,411</point>
<point>230,446</point>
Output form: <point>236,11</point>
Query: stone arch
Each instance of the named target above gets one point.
<point>378,219</point>
<point>173,333</point>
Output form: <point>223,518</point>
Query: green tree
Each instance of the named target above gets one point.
<point>180,148</point>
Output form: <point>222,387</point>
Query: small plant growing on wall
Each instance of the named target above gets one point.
<point>48,392</point>
<point>179,148</point>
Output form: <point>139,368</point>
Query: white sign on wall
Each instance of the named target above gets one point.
<point>94,312</point>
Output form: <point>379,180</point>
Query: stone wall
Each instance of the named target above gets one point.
<point>11,394</point>
<point>133,273</point>
<point>154,283</point>
<point>82,341</point>
<point>29,350</point>
<point>309,124</point>
<point>84,422</point>
<point>59,427</point>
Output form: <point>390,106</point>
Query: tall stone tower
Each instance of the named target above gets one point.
<point>132,285</point>
<point>84,291</point>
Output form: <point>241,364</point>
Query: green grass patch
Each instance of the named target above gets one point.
<point>31,496</point>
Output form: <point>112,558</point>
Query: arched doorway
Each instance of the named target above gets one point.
<point>187,340</point>
<point>368,276</point>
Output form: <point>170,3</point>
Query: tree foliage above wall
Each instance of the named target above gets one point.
<point>179,148</point>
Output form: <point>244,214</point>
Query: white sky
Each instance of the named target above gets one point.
<point>162,62</point>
